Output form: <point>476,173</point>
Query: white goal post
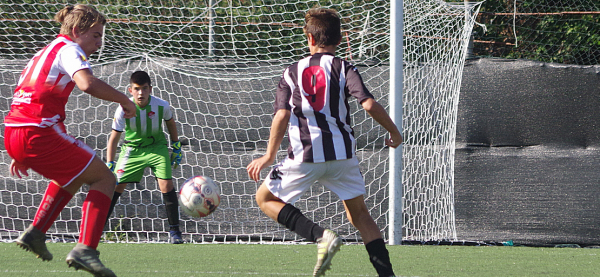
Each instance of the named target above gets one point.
<point>218,62</point>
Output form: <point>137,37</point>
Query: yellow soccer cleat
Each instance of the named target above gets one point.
<point>327,246</point>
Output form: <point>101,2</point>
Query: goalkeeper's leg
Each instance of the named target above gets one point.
<point>359,216</point>
<point>118,192</point>
<point>169,195</point>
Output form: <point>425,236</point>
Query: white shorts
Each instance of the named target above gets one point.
<point>290,179</point>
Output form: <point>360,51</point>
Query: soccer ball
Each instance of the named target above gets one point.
<point>199,196</point>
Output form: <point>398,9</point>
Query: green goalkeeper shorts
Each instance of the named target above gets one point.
<point>133,161</point>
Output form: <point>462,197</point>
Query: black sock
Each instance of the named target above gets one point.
<point>172,207</point>
<point>115,198</point>
<point>380,258</point>
<point>295,221</point>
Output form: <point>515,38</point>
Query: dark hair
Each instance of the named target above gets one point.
<point>81,16</point>
<point>324,25</point>
<point>140,78</point>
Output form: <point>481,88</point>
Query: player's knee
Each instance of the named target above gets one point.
<point>165,185</point>
<point>121,187</point>
<point>260,200</point>
<point>263,196</point>
<point>110,178</point>
<point>263,201</point>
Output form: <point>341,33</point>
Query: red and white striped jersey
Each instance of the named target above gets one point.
<point>45,85</point>
<point>316,91</point>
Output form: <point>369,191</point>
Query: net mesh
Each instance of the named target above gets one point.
<point>434,54</point>
<point>218,63</point>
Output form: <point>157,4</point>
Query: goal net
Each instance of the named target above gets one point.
<point>218,63</point>
<point>436,40</point>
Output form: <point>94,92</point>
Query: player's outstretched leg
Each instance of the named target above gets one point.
<point>86,258</point>
<point>327,246</point>
<point>34,240</point>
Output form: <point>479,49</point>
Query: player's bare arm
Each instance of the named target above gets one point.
<point>172,129</point>
<point>95,87</point>
<point>377,112</point>
<point>111,148</point>
<point>278,129</point>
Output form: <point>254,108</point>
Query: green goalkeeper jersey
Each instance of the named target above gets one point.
<point>145,128</point>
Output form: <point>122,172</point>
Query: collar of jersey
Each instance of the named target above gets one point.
<point>323,53</point>
<point>65,37</point>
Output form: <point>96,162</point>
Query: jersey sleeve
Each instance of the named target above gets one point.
<point>167,112</point>
<point>73,59</point>
<point>284,93</point>
<point>118,123</point>
<point>355,85</point>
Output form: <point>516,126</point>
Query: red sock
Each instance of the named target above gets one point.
<point>55,199</point>
<point>95,209</point>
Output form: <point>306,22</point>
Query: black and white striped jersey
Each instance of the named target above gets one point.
<point>316,91</point>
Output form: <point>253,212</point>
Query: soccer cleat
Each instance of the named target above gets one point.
<point>175,237</point>
<point>86,258</point>
<point>35,241</point>
<point>327,246</point>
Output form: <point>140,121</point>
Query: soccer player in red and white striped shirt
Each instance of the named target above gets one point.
<point>312,98</point>
<point>35,135</point>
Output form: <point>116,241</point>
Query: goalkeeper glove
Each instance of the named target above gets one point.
<point>111,165</point>
<point>176,155</point>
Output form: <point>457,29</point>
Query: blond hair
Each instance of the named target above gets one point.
<point>81,16</point>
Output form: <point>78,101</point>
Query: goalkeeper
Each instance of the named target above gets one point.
<point>145,146</point>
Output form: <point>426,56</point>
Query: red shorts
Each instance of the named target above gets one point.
<point>49,152</point>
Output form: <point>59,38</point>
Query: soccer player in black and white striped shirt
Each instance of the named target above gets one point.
<point>312,97</point>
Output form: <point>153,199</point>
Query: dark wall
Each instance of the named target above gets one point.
<point>527,164</point>
<point>519,103</point>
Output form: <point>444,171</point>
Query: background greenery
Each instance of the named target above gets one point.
<point>562,31</point>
